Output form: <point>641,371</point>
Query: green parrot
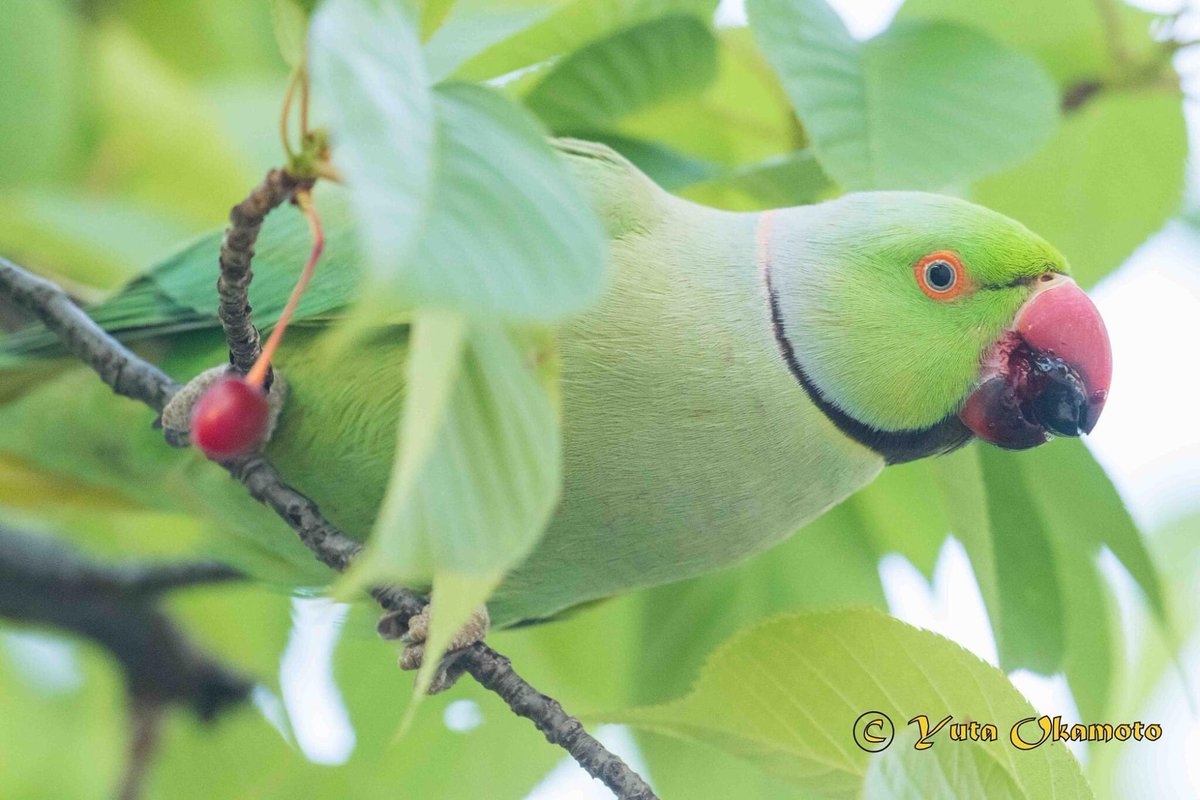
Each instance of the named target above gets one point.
<point>743,372</point>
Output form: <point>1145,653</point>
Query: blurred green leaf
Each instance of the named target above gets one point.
<point>290,23</point>
<point>1110,177</point>
<point>777,182</point>
<point>1030,629</point>
<point>203,38</point>
<point>160,144</point>
<point>1005,534</point>
<point>506,230</point>
<point>902,512</point>
<point>460,201</point>
<point>366,62</point>
<point>477,487</point>
<point>828,564</point>
<point>59,740</point>
<point>551,29</point>
<point>682,768</point>
<point>963,496</point>
<point>743,117</point>
<point>1082,512</point>
<point>1082,506</point>
<point>96,241</point>
<point>110,451</point>
<point>903,110</point>
<point>664,165</point>
<point>1067,36</point>
<point>474,26</point>
<point>39,62</point>
<point>1050,510</point>
<point>632,69</point>
<point>433,14</point>
<point>478,470</point>
<point>1093,655</point>
<point>785,695</point>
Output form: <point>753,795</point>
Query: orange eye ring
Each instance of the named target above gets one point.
<point>941,276</point>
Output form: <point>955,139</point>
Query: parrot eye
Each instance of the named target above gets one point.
<point>940,275</point>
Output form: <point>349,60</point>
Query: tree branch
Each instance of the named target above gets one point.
<point>42,581</point>
<point>330,545</point>
<point>237,254</point>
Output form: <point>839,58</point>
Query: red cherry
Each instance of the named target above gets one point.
<point>230,418</point>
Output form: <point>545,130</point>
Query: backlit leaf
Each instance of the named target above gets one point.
<point>904,110</point>
<point>785,695</point>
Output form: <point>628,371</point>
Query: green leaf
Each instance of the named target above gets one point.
<point>1082,512</point>
<point>666,166</point>
<point>1110,177</point>
<point>159,142</point>
<point>1094,650</point>
<point>785,695</point>
<point>901,513</point>
<point>460,201</point>
<point>1030,629</point>
<point>85,718</point>
<point>1033,524</point>
<point>475,26</point>
<point>830,563</point>
<point>478,470</point>
<point>290,23</point>
<point>433,14</point>
<point>963,495</point>
<point>777,182</point>
<point>1067,36</point>
<point>963,770</point>
<point>366,63</point>
<point>112,452</point>
<point>632,69</point>
<point>98,241</point>
<point>474,496</point>
<point>742,118</point>
<point>205,39</point>
<point>507,231</point>
<point>904,109</point>
<point>39,49</point>
<point>489,752</point>
<point>681,768</point>
<point>1081,504</point>
<point>554,29</point>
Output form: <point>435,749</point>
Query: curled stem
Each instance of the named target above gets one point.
<point>286,112</point>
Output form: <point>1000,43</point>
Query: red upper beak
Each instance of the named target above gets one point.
<point>1049,375</point>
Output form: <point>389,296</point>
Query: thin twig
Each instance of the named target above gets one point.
<point>495,673</point>
<point>1110,20</point>
<point>237,253</point>
<point>124,372</point>
<point>146,721</point>
<point>44,582</point>
<point>326,541</point>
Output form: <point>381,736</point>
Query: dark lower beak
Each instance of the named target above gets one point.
<point>1049,375</point>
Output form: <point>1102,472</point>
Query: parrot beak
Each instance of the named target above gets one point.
<point>1048,375</point>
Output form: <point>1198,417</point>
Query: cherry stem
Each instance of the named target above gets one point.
<point>258,373</point>
<point>303,105</point>
<point>284,115</point>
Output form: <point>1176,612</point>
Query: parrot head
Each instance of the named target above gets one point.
<point>916,320</point>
